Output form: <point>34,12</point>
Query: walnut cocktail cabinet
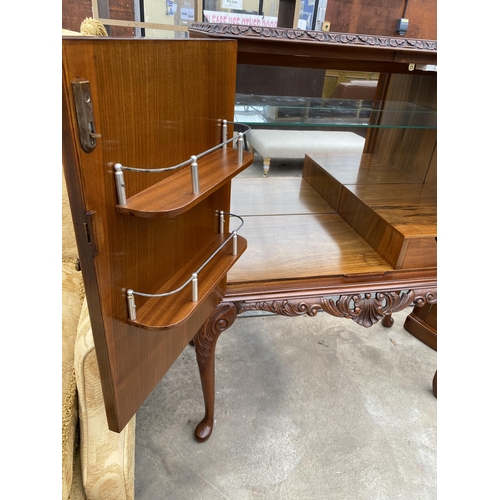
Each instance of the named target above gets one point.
<point>149,155</point>
<point>151,162</point>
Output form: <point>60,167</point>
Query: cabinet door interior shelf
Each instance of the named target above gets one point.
<point>174,195</point>
<point>162,313</point>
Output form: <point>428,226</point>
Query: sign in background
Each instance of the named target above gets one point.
<point>232,4</point>
<point>244,19</point>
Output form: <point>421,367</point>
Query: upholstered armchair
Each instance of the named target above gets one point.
<point>97,464</point>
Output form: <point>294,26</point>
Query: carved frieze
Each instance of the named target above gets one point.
<point>366,309</point>
<point>314,36</point>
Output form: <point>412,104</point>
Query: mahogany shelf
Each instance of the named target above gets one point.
<point>174,195</point>
<point>163,313</point>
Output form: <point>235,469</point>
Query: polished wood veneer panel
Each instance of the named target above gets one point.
<point>398,220</point>
<point>327,173</point>
<point>361,169</point>
<point>303,246</point>
<point>392,210</point>
<point>151,110</point>
<point>410,208</point>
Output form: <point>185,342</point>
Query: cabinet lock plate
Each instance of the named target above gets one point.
<point>85,115</point>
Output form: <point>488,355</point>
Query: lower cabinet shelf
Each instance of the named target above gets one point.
<point>163,313</point>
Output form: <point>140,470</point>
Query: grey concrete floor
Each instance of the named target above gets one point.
<point>306,409</point>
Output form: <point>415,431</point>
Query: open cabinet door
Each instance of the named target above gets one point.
<point>153,241</point>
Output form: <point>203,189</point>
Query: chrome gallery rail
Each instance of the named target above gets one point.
<point>193,161</point>
<point>194,276</point>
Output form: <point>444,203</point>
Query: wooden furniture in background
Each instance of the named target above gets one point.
<point>422,324</point>
<point>334,77</point>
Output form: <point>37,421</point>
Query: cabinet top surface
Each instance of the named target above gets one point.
<point>288,46</point>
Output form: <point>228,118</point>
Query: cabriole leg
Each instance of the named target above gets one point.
<point>205,341</point>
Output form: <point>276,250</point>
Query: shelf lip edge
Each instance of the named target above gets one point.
<point>194,198</point>
<point>213,283</point>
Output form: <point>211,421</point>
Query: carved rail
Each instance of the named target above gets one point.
<point>365,309</point>
<point>277,33</point>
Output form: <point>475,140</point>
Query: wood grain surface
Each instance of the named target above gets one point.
<point>394,212</point>
<point>300,246</point>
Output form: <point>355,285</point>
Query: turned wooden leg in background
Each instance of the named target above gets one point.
<point>205,341</point>
<point>422,324</point>
<point>387,321</point>
<point>266,166</point>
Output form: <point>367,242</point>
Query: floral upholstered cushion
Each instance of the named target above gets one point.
<point>107,458</point>
<point>72,299</point>
<point>69,248</point>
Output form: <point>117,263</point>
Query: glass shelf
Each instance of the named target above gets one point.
<point>261,111</point>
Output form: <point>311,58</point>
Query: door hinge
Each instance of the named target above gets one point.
<point>85,115</point>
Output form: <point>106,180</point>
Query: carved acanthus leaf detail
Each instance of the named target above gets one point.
<point>283,308</point>
<point>365,309</point>
<point>371,308</point>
